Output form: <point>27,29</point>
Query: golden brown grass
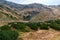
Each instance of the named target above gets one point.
<point>42,35</point>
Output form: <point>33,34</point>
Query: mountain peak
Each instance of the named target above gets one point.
<point>36,4</point>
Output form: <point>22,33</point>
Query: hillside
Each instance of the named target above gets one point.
<point>32,12</point>
<point>29,22</point>
<point>7,13</point>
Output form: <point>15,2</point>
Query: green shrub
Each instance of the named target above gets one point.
<point>44,26</point>
<point>55,26</point>
<point>57,21</point>
<point>33,26</point>
<point>19,26</point>
<point>5,27</point>
<point>8,35</point>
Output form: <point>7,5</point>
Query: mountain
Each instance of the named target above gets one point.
<point>34,12</point>
<point>6,12</point>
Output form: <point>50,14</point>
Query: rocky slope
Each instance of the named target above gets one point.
<point>32,12</point>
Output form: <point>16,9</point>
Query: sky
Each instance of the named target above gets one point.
<point>46,2</point>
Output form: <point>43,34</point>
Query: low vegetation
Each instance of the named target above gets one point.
<point>8,35</point>
<point>7,32</point>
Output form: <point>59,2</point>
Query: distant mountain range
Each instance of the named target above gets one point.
<point>34,12</point>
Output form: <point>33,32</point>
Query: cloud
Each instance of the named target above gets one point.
<point>33,1</point>
<point>47,2</point>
